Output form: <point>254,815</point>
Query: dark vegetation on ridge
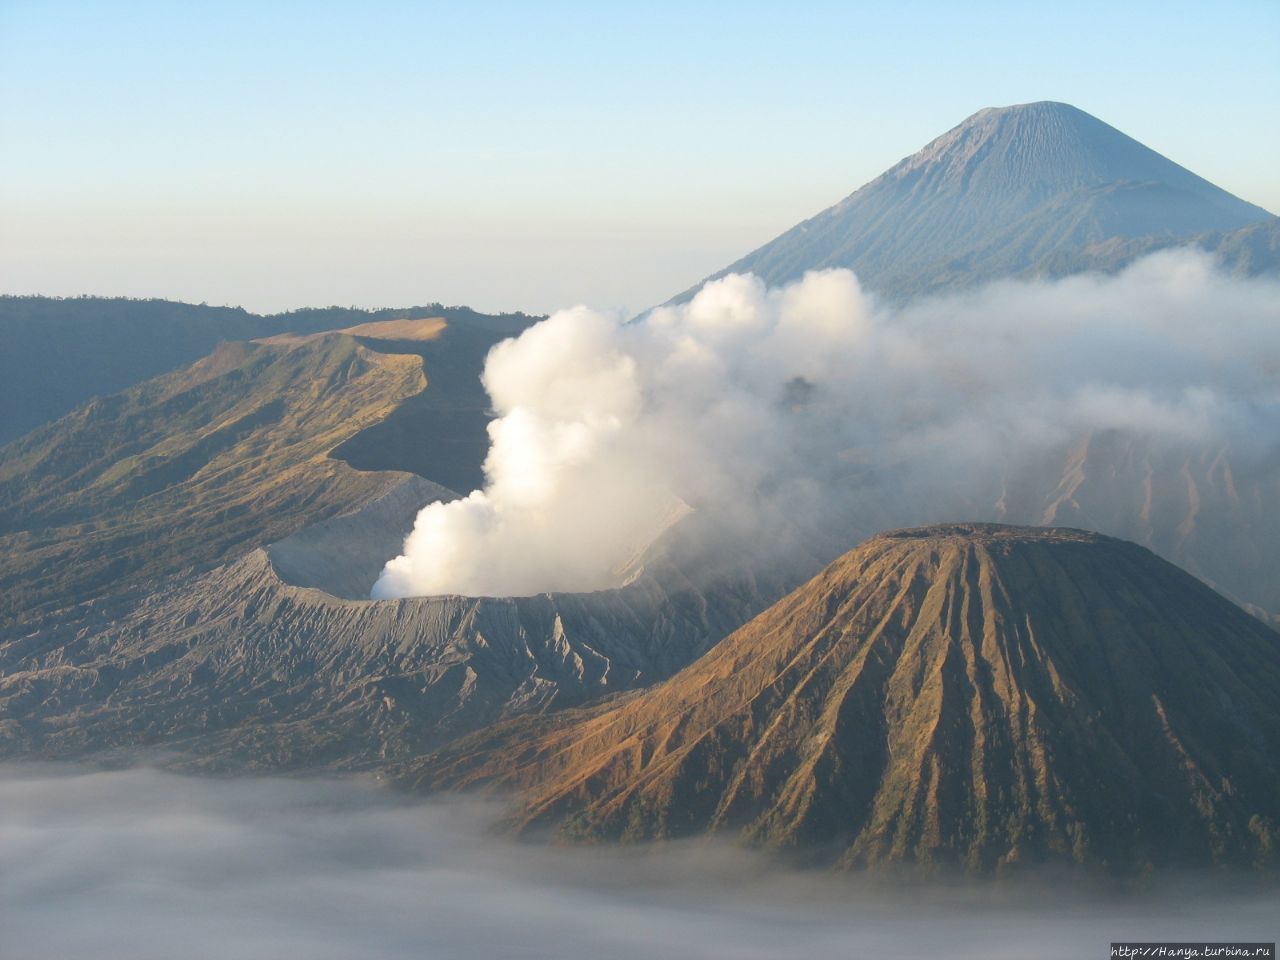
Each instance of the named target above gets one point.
<point>56,353</point>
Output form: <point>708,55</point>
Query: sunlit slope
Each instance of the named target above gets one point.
<point>1037,188</point>
<point>57,353</point>
<point>407,329</point>
<point>191,468</point>
<point>971,694</point>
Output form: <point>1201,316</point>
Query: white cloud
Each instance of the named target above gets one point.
<point>816,403</point>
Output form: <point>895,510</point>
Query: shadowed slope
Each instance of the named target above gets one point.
<point>55,354</point>
<point>1209,511</point>
<point>442,432</point>
<point>973,694</point>
<point>1250,251</point>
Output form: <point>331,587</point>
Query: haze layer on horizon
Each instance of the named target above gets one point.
<point>521,156</point>
<point>129,863</point>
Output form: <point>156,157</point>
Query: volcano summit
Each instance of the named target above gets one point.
<point>1037,188</point>
<point>976,695</point>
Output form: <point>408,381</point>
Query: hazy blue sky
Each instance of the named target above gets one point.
<point>529,155</point>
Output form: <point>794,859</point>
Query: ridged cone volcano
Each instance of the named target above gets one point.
<point>1030,189</point>
<point>979,695</point>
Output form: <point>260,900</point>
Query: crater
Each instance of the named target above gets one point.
<point>344,555</point>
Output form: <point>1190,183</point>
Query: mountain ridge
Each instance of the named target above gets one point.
<point>59,352</point>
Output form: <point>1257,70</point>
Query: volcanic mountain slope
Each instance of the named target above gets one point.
<point>56,353</point>
<point>1209,510</point>
<point>440,433</point>
<point>245,447</point>
<point>1010,191</point>
<point>238,668</point>
<point>187,566</point>
<point>972,694</point>
<point>181,469</point>
<point>1247,252</point>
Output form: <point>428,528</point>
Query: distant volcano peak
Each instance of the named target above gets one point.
<point>1002,154</point>
<point>1009,191</point>
<point>1035,111</point>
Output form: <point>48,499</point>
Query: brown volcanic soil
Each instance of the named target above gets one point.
<point>423,328</point>
<point>190,469</point>
<point>979,695</point>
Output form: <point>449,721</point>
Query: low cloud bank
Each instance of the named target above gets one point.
<point>141,864</point>
<point>814,406</point>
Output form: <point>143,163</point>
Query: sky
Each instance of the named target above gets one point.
<point>530,156</point>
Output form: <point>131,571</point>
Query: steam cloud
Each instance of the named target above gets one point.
<point>140,864</point>
<point>815,407</point>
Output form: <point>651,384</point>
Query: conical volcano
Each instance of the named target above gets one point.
<point>1011,190</point>
<point>976,695</point>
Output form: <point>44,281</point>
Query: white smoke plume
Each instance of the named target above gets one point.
<point>820,405</point>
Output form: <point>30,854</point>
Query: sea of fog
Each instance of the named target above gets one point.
<point>143,864</point>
